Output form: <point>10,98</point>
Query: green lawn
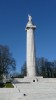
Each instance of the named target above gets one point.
<point>9,85</point>
<point>6,85</point>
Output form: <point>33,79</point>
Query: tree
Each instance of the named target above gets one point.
<point>24,70</point>
<point>7,62</point>
<point>44,68</point>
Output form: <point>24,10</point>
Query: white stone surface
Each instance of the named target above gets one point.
<point>31,57</point>
<point>10,94</point>
<point>43,89</point>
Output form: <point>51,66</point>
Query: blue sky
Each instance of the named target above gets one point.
<point>13,19</point>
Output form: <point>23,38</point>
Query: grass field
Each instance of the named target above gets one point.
<point>6,85</point>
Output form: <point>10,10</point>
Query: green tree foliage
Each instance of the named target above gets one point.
<point>7,62</point>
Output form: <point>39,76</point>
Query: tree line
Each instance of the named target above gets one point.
<point>44,68</point>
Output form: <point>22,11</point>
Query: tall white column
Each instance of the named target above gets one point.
<point>30,55</point>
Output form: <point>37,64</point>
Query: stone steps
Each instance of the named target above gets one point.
<point>41,90</point>
<point>45,90</point>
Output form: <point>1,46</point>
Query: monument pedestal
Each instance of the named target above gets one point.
<point>33,79</point>
<point>29,79</point>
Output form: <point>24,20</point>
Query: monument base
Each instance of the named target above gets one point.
<point>27,79</point>
<point>33,79</point>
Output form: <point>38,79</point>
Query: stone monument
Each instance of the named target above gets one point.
<point>25,88</point>
<point>30,53</point>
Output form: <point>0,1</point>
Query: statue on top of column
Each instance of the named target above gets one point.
<point>29,18</point>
